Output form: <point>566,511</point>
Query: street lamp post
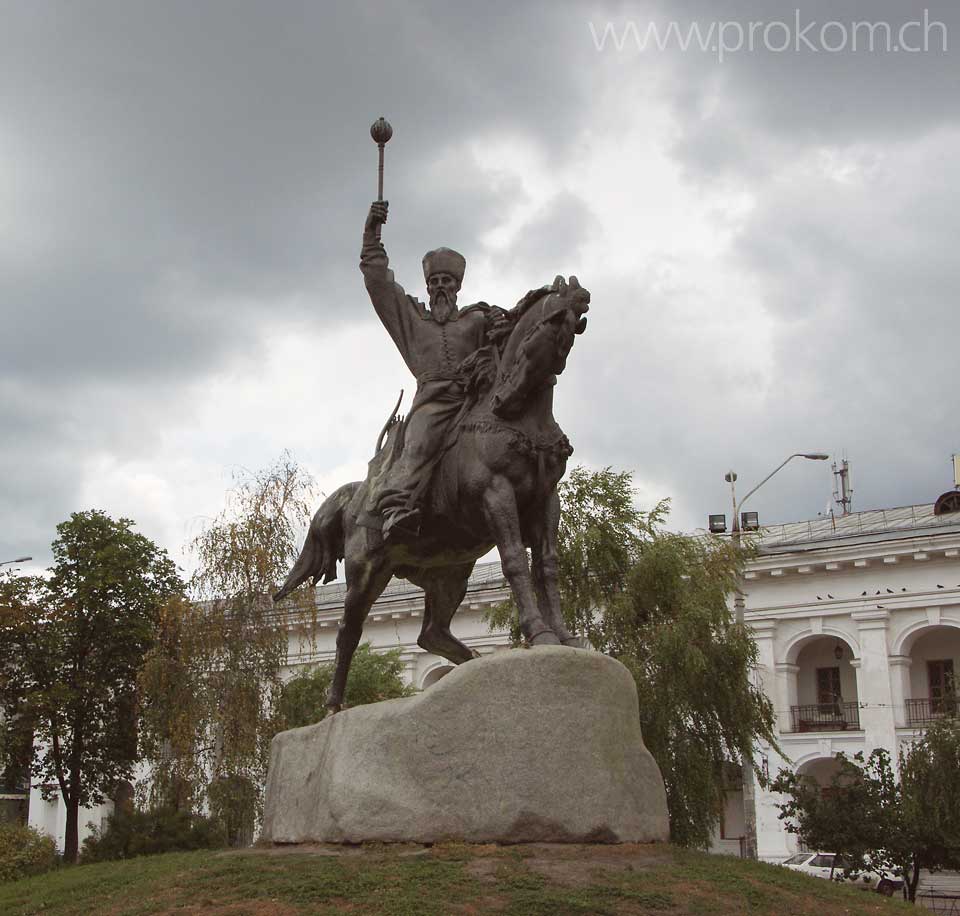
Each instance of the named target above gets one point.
<point>810,456</point>
<point>749,795</point>
<point>17,560</point>
<point>731,477</point>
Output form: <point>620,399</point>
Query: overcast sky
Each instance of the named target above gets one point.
<point>770,241</point>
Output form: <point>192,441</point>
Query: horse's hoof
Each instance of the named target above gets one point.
<point>545,638</point>
<point>333,710</point>
<point>473,654</point>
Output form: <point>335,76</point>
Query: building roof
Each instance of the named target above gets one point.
<point>484,575</point>
<point>858,527</point>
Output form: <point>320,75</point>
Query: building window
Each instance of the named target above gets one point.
<point>828,689</point>
<point>942,686</point>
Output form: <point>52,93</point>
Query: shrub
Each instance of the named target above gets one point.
<point>25,851</point>
<point>374,676</point>
<point>233,802</point>
<point>143,833</point>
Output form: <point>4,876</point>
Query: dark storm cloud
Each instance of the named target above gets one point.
<point>850,161</point>
<point>809,96</point>
<point>178,178</point>
<point>865,280</point>
<point>187,164</point>
<point>554,234</point>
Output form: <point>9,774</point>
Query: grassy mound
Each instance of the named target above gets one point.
<point>534,880</point>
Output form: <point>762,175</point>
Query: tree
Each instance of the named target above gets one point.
<point>868,816</point>
<point>657,602</point>
<point>373,677</point>
<point>71,646</point>
<point>930,780</point>
<point>601,538</point>
<point>212,682</point>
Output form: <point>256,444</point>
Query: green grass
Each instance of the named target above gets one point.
<point>408,881</point>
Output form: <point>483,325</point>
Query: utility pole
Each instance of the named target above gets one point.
<point>842,490</point>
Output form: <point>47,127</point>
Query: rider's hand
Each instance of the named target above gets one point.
<point>377,215</point>
<point>499,325</point>
<point>498,317</point>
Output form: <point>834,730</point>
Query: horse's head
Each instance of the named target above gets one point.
<point>536,352</point>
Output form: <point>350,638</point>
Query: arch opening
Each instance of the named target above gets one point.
<point>934,665</point>
<point>824,697</point>
<point>434,675</point>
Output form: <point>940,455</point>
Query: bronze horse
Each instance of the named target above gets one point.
<point>496,484</point>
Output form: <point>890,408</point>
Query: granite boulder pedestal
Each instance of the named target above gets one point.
<point>539,745</point>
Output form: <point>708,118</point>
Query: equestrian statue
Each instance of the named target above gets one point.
<point>475,463</point>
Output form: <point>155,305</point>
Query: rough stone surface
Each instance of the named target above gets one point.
<point>541,745</point>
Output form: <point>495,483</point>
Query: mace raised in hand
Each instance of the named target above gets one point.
<point>381,131</point>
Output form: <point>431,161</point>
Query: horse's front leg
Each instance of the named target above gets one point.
<point>545,579</point>
<point>500,512</point>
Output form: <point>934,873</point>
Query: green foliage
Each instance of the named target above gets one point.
<point>867,815</point>
<point>70,649</point>
<point>601,535</point>
<point>233,802</point>
<point>601,538</point>
<point>373,677</point>
<point>16,739</point>
<point>657,601</point>
<point>144,833</point>
<point>212,683</point>
<point>694,669</point>
<point>858,817</point>
<point>25,851</point>
<point>930,777</point>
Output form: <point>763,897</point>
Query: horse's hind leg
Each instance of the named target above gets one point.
<point>444,590</point>
<point>366,579</point>
<point>500,512</point>
<point>544,570</point>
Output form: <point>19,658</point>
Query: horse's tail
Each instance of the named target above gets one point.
<point>324,544</point>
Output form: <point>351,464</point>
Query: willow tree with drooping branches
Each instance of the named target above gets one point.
<point>213,681</point>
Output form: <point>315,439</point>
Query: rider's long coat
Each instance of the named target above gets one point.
<point>432,351</point>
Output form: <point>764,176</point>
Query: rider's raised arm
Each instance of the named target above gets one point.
<point>393,306</point>
<point>374,263</point>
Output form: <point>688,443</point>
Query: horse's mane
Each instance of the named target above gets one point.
<point>482,366</point>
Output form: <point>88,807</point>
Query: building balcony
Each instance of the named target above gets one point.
<point>926,711</point>
<point>818,684</point>
<point>825,717</point>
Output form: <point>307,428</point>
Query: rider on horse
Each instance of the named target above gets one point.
<point>433,343</point>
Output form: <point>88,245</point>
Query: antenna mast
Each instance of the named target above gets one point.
<point>842,491</point>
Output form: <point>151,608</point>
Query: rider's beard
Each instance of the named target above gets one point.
<point>442,305</point>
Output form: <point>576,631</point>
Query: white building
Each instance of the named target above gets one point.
<point>857,621</point>
<point>394,623</point>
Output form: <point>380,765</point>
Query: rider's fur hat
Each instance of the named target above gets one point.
<point>444,261</point>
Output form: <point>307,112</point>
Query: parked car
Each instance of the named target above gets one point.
<point>829,866</point>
